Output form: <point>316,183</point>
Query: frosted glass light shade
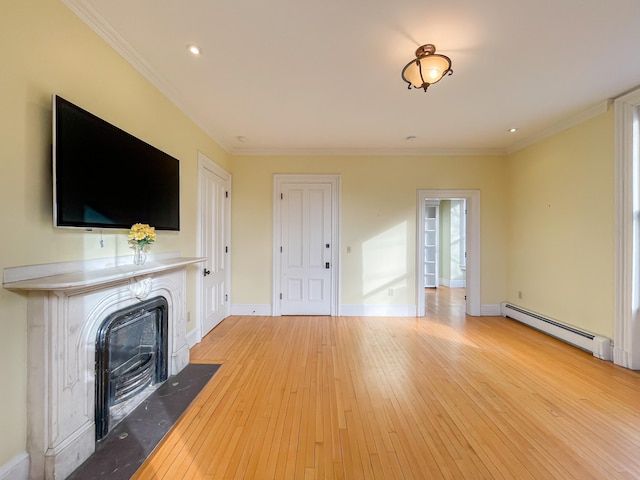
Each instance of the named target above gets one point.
<point>427,69</point>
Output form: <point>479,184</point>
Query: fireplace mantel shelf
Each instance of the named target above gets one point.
<point>67,304</point>
<point>94,277</point>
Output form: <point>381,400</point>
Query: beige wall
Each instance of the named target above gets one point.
<point>561,226</point>
<point>378,202</point>
<point>46,50</point>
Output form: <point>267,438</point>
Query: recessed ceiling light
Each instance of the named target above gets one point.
<point>513,130</point>
<point>410,138</point>
<point>241,138</point>
<point>194,49</point>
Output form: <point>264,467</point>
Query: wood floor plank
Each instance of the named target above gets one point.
<point>444,396</point>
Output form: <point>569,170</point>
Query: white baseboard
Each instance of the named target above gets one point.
<point>349,310</point>
<point>490,311</point>
<point>262,310</point>
<point>345,310</point>
<point>16,469</point>
<point>378,311</point>
<point>193,337</point>
<point>447,282</point>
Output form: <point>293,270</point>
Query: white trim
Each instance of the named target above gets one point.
<point>378,311</point>
<point>626,350</point>
<point>278,181</point>
<point>350,310</point>
<point>193,337</point>
<point>490,310</point>
<point>94,19</point>
<point>246,309</point>
<point>369,152</point>
<point>578,118</point>
<point>16,469</point>
<point>473,246</point>
<point>205,163</point>
<point>449,283</point>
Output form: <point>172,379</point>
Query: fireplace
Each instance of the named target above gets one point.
<point>68,305</point>
<point>131,350</point>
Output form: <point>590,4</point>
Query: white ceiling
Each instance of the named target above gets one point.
<point>310,76</point>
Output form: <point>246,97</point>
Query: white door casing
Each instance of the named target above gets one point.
<point>305,245</point>
<point>472,197</point>
<point>431,243</point>
<point>214,236</point>
<point>626,326</point>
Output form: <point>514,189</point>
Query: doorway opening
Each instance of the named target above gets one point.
<point>427,259</point>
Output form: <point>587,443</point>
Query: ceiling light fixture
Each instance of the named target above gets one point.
<point>428,68</point>
<point>194,49</point>
<point>513,130</point>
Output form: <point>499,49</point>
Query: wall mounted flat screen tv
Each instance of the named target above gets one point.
<point>104,177</point>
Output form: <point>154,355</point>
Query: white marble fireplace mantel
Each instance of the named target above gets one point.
<point>67,302</point>
<point>73,275</point>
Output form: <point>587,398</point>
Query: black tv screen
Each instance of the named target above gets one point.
<point>104,177</point>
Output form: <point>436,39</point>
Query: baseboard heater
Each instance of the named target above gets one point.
<point>599,346</point>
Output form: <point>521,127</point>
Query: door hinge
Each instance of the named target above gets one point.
<point>282,196</point>
<point>280,296</point>
<point>280,249</point>
<point>226,297</point>
<point>226,249</point>
<point>226,194</point>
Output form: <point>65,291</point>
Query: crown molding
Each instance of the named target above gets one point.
<point>366,152</point>
<point>92,18</point>
<point>576,119</point>
<point>96,22</point>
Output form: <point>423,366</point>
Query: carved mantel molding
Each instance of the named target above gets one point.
<point>66,304</point>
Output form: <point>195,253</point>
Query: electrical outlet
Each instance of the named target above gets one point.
<point>391,292</point>
<point>519,294</point>
<point>188,317</point>
<point>348,248</point>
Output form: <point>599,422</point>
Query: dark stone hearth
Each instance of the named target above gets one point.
<point>128,444</point>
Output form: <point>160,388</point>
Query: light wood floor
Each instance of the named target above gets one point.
<point>446,396</point>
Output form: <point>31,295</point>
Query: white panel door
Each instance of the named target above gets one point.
<point>215,249</point>
<point>306,249</point>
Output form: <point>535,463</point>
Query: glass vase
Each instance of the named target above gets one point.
<point>139,255</point>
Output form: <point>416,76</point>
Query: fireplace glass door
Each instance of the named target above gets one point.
<point>131,351</point>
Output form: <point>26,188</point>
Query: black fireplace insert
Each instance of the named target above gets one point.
<point>131,355</point>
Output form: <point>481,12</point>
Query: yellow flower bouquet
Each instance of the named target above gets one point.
<point>141,236</point>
